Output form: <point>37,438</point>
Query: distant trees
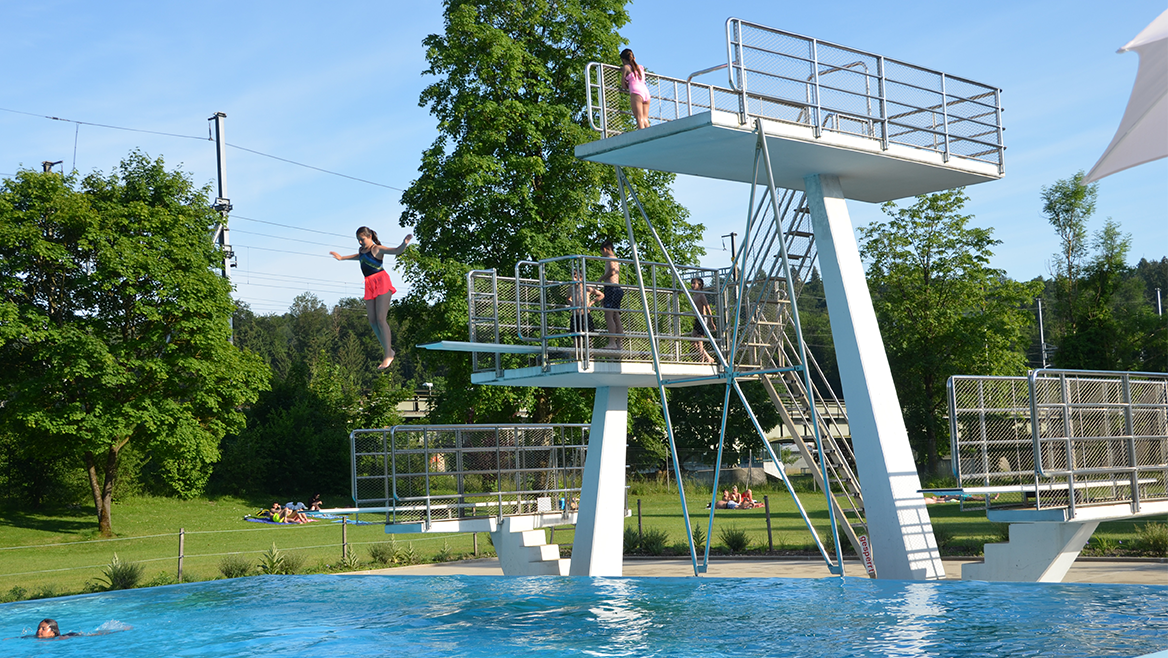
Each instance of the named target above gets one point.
<point>324,386</point>
<point>942,309</point>
<point>114,335</point>
<point>1104,314</point>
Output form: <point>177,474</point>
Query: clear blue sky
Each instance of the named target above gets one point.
<point>337,88</point>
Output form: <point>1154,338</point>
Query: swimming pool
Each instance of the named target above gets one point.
<point>419,616</point>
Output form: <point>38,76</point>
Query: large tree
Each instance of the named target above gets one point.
<point>114,325</point>
<point>942,309</point>
<point>501,183</point>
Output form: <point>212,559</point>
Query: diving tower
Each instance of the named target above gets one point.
<point>809,124</point>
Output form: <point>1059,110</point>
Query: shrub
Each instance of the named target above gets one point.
<point>293,563</point>
<point>120,575</point>
<point>735,539</point>
<point>382,553</point>
<point>272,562</point>
<point>653,542</point>
<point>1153,538</point>
<point>944,536</point>
<point>17,593</point>
<point>163,578</point>
<point>235,566</point>
<point>349,561</point>
<point>632,542</point>
<point>699,538</point>
<point>446,554</point>
<point>407,555</point>
<point>1102,545</point>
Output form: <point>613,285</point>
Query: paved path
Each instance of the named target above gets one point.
<point>1133,572</point>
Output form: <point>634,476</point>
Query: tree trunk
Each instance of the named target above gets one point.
<point>930,428</point>
<point>103,491</point>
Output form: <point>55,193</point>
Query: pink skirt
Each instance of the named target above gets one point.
<point>378,284</point>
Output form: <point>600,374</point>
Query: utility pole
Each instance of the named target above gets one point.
<point>1159,306</point>
<point>733,253</point>
<point>221,236</point>
<point>1041,333</point>
<point>48,166</point>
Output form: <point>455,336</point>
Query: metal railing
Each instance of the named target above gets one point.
<point>1032,441</point>
<point>543,306</point>
<point>782,76</point>
<point>423,473</point>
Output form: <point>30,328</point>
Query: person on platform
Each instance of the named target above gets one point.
<point>633,81</point>
<point>705,315</point>
<point>613,294</point>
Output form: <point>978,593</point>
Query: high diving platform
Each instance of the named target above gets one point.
<point>886,129</point>
<point>716,144</point>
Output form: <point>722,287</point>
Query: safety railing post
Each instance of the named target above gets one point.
<point>945,115</point>
<point>883,104</point>
<point>344,538</point>
<point>816,125</point>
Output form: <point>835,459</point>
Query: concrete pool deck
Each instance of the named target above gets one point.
<point>1085,570</point>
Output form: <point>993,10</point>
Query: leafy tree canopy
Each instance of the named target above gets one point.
<point>942,309</point>
<point>115,327</point>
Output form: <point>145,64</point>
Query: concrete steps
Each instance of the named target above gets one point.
<point>523,549</point>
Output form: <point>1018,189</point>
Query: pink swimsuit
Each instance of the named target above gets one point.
<point>636,85</point>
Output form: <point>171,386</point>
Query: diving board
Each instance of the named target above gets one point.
<point>494,348</point>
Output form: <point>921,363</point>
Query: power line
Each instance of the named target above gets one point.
<point>282,251</point>
<point>301,164</point>
<point>103,125</point>
<point>279,237</point>
<point>208,138</point>
<point>284,277</point>
<point>268,285</point>
<point>310,230</point>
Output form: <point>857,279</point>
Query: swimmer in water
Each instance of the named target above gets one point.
<point>48,629</point>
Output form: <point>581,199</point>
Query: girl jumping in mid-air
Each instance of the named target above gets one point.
<point>633,81</point>
<point>378,288</point>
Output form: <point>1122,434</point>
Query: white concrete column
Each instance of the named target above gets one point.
<point>903,546</point>
<point>598,549</point>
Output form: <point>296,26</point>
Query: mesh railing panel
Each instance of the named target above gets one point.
<point>426,473</point>
<point>548,316</point>
<point>782,76</point>
<point>1103,436</point>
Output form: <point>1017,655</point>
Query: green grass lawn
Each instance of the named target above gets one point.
<point>57,551</point>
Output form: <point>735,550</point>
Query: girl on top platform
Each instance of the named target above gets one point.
<point>378,288</point>
<point>633,81</point>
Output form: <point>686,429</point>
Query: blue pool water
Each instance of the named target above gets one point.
<point>471,616</point>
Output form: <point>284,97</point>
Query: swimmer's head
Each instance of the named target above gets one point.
<point>48,628</point>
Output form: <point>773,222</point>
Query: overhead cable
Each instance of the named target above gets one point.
<point>166,134</point>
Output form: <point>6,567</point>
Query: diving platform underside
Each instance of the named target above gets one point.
<point>715,145</point>
<point>575,374</point>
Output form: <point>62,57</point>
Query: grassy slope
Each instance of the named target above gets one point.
<point>214,526</point>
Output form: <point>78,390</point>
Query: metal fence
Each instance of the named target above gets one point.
<point>782,76</point>
<point>1032,441</point>
<point>543,306</point>
<point>422,473</point>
